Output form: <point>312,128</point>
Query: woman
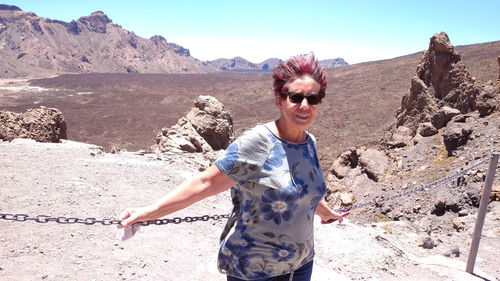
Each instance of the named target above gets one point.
<point>276,185</point>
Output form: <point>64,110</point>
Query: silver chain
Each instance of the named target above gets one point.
<point>177,220</point>
<point>90,221</point>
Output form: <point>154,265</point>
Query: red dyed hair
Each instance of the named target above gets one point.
<point>295,68</point>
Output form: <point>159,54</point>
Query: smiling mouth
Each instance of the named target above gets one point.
<point>303,117</point>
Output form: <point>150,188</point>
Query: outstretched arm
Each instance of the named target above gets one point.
<point>210,182</point>
<point>326,214</point>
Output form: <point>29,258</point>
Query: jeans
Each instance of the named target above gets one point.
<point>301,274</point>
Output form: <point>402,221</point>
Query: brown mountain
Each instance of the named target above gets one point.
<point>239,64</point>
<point>31,44</point>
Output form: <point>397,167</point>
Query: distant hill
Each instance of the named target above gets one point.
<point>31,44</point>
<point>239,64</point>
<point>35,46</point>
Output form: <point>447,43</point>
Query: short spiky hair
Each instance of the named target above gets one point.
<point>297,67</point>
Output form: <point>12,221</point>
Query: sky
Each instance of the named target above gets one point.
<point>256,30</point>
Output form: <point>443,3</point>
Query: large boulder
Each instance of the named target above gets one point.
<point>370,162</point>
<point>443,116</point>
<point>400,137</point>
<point>457,133</point>
<point>374,163</point>
<point>42,124</point>
<point>207,127</point>
<point>212,121</point>
<point>487,100</point>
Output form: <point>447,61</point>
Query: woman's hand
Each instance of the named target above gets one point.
<point>327,215</point>
<point>334,217</point>
<point>133,215</point>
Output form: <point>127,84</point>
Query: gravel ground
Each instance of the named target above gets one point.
<point>74,179</point>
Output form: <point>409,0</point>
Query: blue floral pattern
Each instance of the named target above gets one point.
<point>276,158</point>
<point>278,206</point>
<point>279,187</point>
<point>283,252</point>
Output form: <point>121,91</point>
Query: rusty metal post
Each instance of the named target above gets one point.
<point>482,212</point>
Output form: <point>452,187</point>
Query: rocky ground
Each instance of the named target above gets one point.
<point>74,179</point>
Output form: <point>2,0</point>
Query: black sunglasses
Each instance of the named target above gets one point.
<point>312,98</point>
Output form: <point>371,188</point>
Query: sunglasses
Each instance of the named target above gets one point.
<point>312,98</point>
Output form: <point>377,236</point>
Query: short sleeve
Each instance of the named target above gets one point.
<point>243,159</point>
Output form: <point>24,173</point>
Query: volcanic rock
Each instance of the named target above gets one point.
<point>487,100</point>
<point>443,116</point>
<point>212,121</point>
<point>440,80</point>
<point>456,134</point>
<point>426,129</point>
<point>207,127</point>
<point>42,124</point>
<point>370,162</point>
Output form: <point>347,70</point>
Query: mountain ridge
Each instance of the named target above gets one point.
<point>30,45</point>
<point>93,43</point>
<point>239,64</point>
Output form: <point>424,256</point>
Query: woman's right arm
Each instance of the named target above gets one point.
<point>210,182</point>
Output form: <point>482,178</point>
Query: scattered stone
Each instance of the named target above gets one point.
<point>426,242</point>
<point>346,198</point>
<point>457,224</point>
<point>455,252</point>
<point>495,193</point>
<point>456,135</point>
<point>426,129</point>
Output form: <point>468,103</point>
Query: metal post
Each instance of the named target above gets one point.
<point>482,212</point>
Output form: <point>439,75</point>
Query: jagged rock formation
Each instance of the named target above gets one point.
<point>90,44</point>
<point>447,120</point>
<point>441,88</point>
<point>207,127</point>
<point>42,124</point>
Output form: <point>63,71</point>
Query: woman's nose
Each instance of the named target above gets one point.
<point>304,103</point>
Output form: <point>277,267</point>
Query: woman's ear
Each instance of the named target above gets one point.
<point>279,100</point>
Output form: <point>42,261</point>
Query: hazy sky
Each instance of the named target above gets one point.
<point>256,30</point>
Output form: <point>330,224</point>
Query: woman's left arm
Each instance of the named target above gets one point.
<point>326,214</point>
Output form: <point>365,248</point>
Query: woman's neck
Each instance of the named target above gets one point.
<point>283,132</point>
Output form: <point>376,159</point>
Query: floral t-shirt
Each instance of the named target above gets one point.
<point>280,184</point>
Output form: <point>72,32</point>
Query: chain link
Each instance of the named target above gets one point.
<point>419,188</point>
<point>177,220</point>
<point>91,221</point>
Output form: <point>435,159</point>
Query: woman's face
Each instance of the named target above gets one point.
<point>299,115</point>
